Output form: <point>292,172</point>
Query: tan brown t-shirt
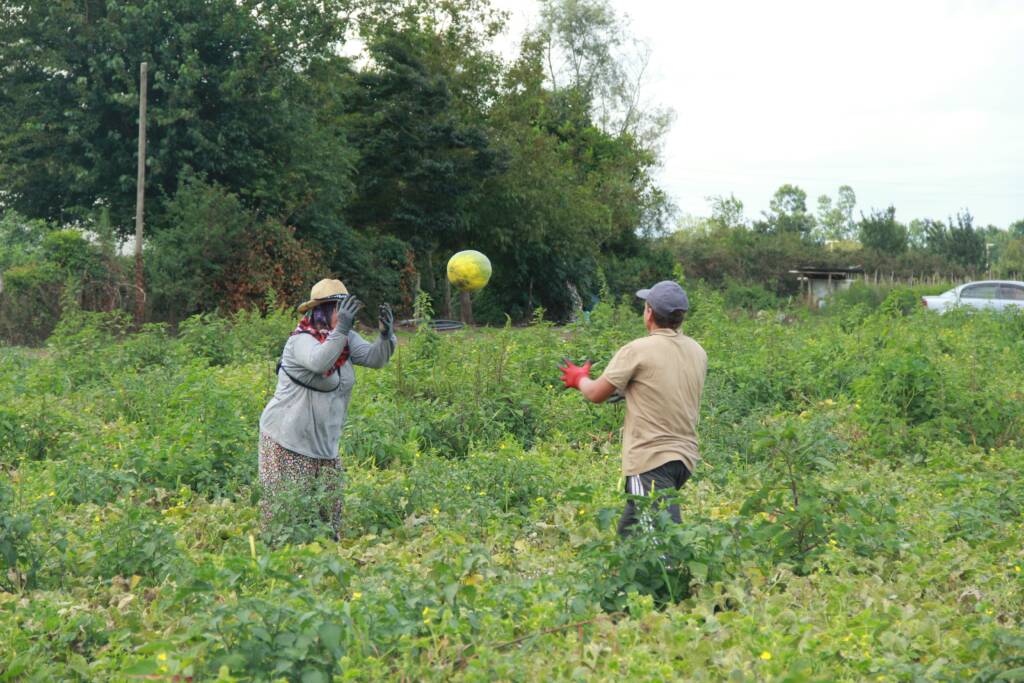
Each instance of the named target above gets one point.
<point>662,377</point>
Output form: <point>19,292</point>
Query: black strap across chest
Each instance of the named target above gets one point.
<point>280,368</point>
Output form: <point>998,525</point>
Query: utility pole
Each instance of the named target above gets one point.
<point>140,196</point>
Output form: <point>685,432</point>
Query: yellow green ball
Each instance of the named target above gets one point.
<point>469,271</point>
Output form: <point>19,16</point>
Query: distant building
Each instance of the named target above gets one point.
<point>818,283</point>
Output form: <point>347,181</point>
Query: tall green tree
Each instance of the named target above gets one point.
<point>787,213</point>
<point>589,50</point>
<point>958,241</point>
<point>574,196</point>
<point>835,221</point>
<point>233,96</point>
<point>1011,261</point>
<point>422,154</point>
<point>726,212</point>
<point>881,231</point>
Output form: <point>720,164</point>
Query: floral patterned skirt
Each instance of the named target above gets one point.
<point>282,470</point>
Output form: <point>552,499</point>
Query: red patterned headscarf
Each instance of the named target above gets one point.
<point>306,326</point>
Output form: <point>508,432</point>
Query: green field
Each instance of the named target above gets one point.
<point>857,516</point>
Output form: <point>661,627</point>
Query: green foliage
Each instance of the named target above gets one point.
<point>880,231</point>
<point>726,247</point>
<point>267,641</point>
<point>750,297</point>
<point>891,298</point>
<point>375,169</point>
<point>1011,261</point>
<point>668,563</point>
<point>135,542</point>
<point>20,556</point>
<point>418,160</point>
<point>801,512</point>
<point>859,486</point>
<point>959,242</point>
<point>836,222</point>
<point>721,255</point>
<point>300,513</point>
<point>213,253</point>
<point>788,213</point>
<point>234,93</point>
<point>43,267</point>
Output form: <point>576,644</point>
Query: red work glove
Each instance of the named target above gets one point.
<point>573,374</point>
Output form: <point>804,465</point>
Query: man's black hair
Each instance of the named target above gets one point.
<point>672,321</point>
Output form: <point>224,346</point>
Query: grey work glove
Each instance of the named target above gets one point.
<point>347,312</point>
<point>387,320</point>
<point>616,397</point>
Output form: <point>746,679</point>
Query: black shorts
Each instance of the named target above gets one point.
<point>672,475</point>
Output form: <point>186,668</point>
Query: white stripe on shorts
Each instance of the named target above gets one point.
<point>636,487</point>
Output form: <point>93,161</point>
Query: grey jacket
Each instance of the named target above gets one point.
<point>310,422</point>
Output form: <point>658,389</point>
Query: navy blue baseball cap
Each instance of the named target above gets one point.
<point>666,298</point>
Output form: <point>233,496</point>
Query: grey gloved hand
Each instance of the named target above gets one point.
<point>616,397</point>
<point>387,320</point>
<point>347,312</point>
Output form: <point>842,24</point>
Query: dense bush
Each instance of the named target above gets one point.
<point>20,555</point>
<point>901,299</point>
<point>44,269</point>
<point>213,253</point>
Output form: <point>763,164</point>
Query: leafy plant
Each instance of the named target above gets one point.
<point>20,557</point>
<point>135,542</point>
<point>662,559</point>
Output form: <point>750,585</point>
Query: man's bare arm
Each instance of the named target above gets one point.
<point>596,390</point>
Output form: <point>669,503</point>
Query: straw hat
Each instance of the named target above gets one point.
<point>325,290</point>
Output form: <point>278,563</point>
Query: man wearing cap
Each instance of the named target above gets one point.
<point>661,377</point>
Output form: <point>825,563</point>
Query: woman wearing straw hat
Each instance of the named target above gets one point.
<point>301,425</point>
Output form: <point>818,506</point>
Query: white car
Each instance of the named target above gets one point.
<point>990,294</point>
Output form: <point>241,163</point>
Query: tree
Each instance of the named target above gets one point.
<point>215,253</point>
<point>958,242</point>
<point>836,222</point>
<point>588,51</point>
<point>573,196</point>
<point>845,205</point>
<point>419,161</point>
<point>882,232</point>
<point>829,221</point>
<point>787,213</point>
<point>917,234</point>
<point>233,96</point>
<point>1011,262</point>
<point>726,212</point>
<point>1017,228</point>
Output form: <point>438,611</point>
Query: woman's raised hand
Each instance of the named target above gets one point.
<point>347,312</point>
<point>387,320</point>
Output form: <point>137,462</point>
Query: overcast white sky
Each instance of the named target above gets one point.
<point>917,103</point>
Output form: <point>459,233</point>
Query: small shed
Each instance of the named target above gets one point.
<point>818,283</point>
